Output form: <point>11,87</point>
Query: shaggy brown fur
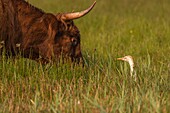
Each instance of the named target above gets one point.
<point>38,35</point>
<point>9,27</point>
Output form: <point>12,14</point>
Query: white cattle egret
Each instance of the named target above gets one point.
<point>129,59</point>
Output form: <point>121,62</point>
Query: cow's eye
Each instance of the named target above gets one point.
<point>74,41</point>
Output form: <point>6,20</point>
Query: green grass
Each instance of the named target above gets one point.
<point>112,29</point>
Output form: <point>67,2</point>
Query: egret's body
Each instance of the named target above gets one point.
<point>129,59</point>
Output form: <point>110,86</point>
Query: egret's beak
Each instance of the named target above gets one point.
<point>120,59</point>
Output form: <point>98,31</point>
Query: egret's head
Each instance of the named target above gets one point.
<point>128,59</point>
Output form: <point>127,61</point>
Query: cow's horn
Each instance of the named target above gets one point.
<point>75,15</point>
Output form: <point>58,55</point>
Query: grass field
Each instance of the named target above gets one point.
<point>114,28</point>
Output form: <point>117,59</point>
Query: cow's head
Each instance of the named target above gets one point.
<point>67,38</point>
<point>49,36</point>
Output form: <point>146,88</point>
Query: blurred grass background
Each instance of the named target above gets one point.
<point>114,28</point>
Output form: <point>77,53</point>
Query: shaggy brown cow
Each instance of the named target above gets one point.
<point>39,35</point>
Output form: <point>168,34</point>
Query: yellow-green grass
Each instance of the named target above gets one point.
<point>114,28</point>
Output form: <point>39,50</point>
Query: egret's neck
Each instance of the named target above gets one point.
<point>131,66</point>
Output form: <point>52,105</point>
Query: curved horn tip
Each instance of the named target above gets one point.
<point>75,15</point>
<point>94,2</point>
